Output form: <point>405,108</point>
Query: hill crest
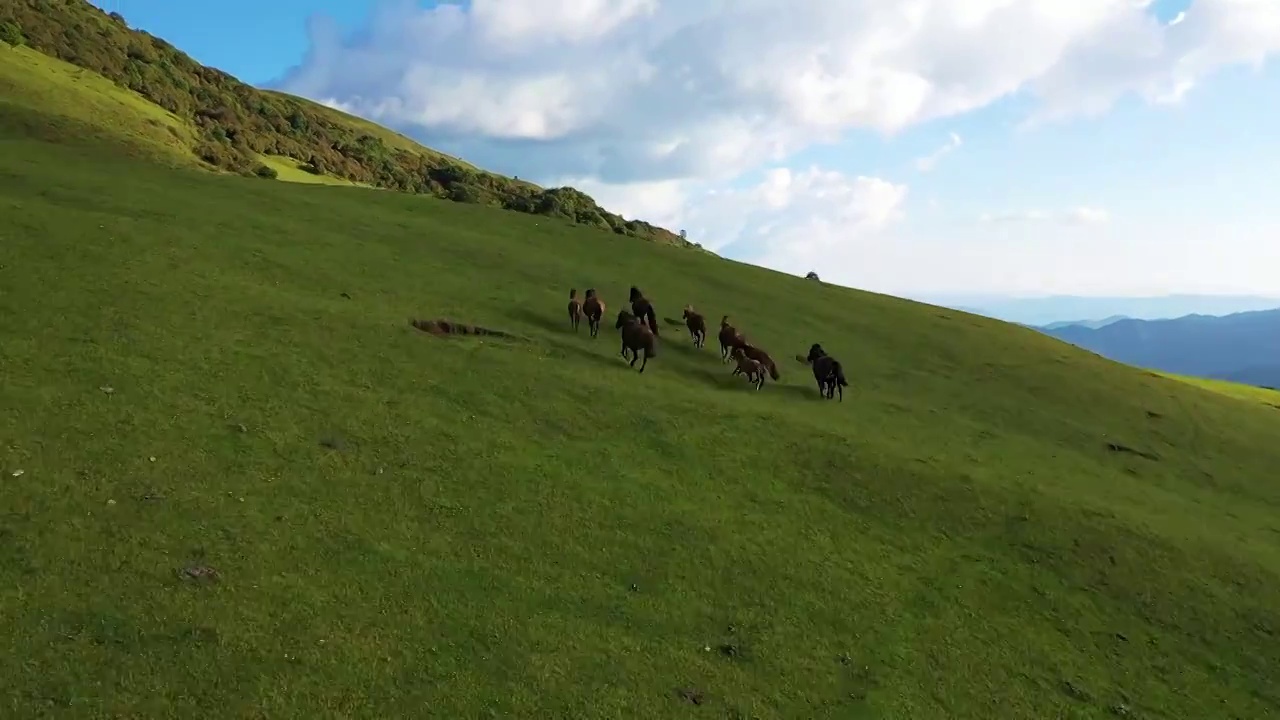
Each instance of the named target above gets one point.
<point>236,127</point>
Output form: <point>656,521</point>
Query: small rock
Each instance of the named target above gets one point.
<point>111,502</point>
<point>1121,710</point>
<point>1072,690</point>
<point>152,458</point>
<point>198,572</point>
<point>1122,637</point>
<point>19,473</point>
<point>107,389</point>
<point>692,695</point>
<point>241,427</point>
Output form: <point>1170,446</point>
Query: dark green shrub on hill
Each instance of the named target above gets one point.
<point>237,123</point>
<point>11,34</point>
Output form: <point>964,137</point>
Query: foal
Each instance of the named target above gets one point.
<point>575,309</point>
<point>697,326</point>
<point>828,372</point>
<point>753,369</point>
<point>593,307</point>
<point>636,336</point>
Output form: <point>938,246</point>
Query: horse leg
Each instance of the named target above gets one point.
<point>646,360</point>
<point>635,355</point>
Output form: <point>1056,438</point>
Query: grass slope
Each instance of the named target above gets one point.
<point>408,526</point>
<point>1239,391</point>
<point>228,125</point>
<point>56,100</point>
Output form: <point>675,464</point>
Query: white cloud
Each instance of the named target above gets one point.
<point>790,220</point>
<point>658,109</point>
<point>629,90</point>
<point>930,161</point>
<point>1083,215</point>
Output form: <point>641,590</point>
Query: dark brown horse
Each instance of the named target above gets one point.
<point>593,307</point>
<point>753,369</point>
<point>697,326</point>
<point>575,309</point>
<point>730,338</point>
<point>828,372</point>
<point>643,310</point>
<point>636,336</point>
<point>763,358</point>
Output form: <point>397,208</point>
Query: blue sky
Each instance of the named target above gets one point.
<point>1075,173</point>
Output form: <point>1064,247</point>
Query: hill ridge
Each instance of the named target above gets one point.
<point>236,125</point>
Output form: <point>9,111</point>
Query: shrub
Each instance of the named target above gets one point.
<point>268,173</point>
<point>11,34</point>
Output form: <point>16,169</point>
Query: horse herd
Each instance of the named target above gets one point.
<point>639,330</point>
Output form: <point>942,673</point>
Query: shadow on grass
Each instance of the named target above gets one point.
<point>546,321</point>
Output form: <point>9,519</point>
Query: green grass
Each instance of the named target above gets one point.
<point>527,528</point>
<point>289,170</point>
<point>1239,391</point>
<point>59,101</point>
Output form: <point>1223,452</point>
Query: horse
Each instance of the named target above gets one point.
<point>636,336</point>
<point>697,326</point>
<point>643,310</point>
<point>753,369</point>
<point>575,309</point>
<point>763,358</point>
<point>730,338</point>
<point>593,307</point>
<point>828,372</point>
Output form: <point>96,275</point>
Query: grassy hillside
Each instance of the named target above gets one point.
<point>209,118</point>
<point>205,370</point>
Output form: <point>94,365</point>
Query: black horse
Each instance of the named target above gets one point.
<point>828,372</point>
<point>643,310</point>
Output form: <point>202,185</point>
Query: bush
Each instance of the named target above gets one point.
<point>11,34</point>
<point>267,173</point>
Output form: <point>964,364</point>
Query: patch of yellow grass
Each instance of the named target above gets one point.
<point>289,170</point>
<point>89,104</point>
<point>1231,389</point>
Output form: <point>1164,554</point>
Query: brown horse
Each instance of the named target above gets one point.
<point>636,336</point>
<point>575,309</point>
<point>753,369</point>
<point>593,307</point>
<point>643,310</point>
<point>828,372</point>
<point>763,358</point>
<point>730,338</point>
<point>697,326</point>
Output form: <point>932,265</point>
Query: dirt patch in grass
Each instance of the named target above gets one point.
<point>443,328</point>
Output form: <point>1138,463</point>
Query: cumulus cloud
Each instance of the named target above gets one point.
<point>930,161</point>
<point>1083,215</point>
<point>789,220</point>
<point>650,90</point>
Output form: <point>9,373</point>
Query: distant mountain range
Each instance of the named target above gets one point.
<point>1094,324</point>
<point>1242,347</point>
<point>1053,309</point>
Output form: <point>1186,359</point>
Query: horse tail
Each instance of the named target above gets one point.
<point>773,369</point>
<point>839,373</point>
